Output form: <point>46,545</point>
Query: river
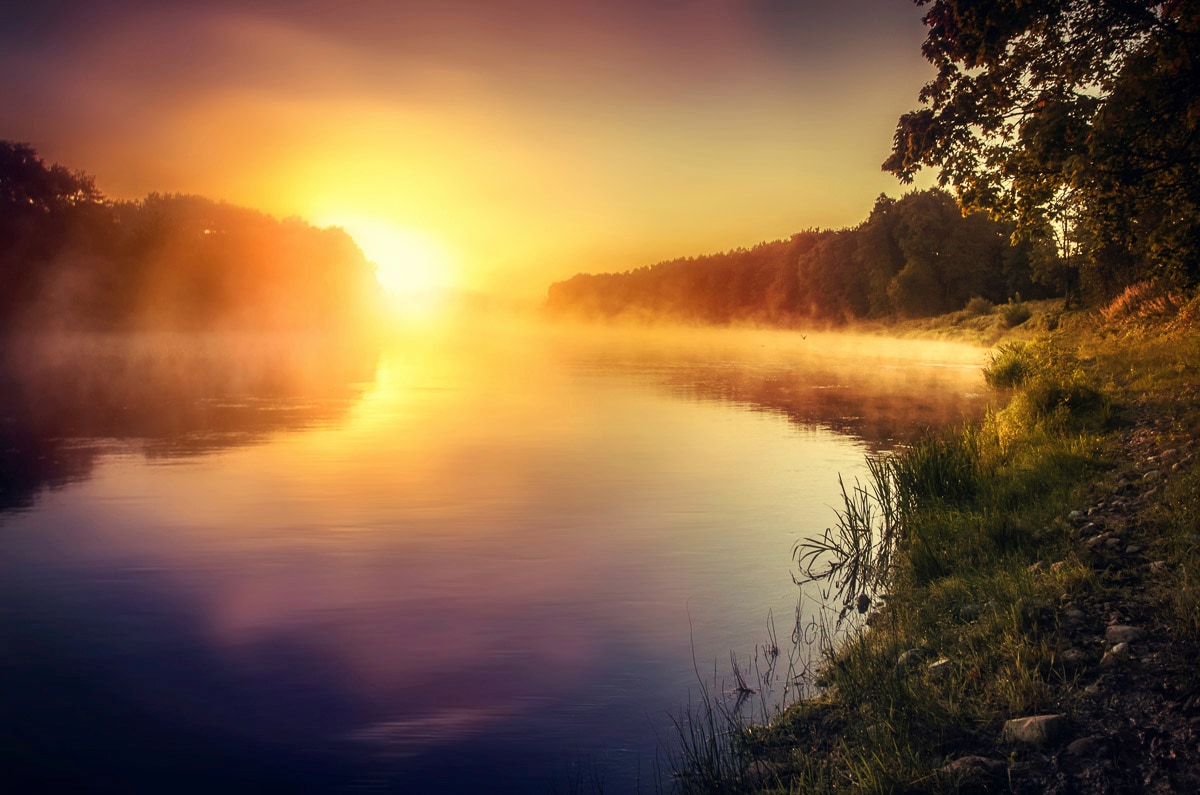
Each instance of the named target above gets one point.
<point>487,558</point>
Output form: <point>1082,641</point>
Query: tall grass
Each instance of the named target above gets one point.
<point>938,539</point>
<point>853,558</point>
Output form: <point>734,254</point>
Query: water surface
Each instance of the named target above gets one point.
<point>453,560</point>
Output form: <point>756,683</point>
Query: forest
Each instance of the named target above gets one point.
<point>916,256</point>
<point>1069,133</point>
<point>73,259</point>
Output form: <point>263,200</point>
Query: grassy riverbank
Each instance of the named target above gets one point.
<point>1043,562</point>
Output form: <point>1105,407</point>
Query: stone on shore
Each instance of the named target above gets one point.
<point>1121,633</point>
<point>973,768</point>
<point>1035,730</point>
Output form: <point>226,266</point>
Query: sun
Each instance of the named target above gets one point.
<point>407,260</point>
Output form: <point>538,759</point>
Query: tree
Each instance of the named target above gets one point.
<point>1077,119</point>
<point>26,182</point>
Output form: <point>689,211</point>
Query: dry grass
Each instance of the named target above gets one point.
<point>1144,301</point>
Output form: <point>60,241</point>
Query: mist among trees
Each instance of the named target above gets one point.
<point>70,258</point>
<point>915,256</point>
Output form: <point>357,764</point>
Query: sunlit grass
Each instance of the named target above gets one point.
<point>966,633</point>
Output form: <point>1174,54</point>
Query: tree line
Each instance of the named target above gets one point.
<point>71,258</point>
<point>1069,133</point>
<point>916,256</point>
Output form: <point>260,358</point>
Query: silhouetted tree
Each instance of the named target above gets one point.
<point>26,182</point>
<point>1073,118</point>
<point>915,256</point>
<point>69,257</point>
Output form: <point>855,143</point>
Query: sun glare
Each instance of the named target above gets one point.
<point>407,260</point>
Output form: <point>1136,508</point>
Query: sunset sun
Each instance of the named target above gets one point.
<point>407,260</point>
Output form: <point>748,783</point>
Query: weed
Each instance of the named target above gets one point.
<point>1014,314</point>
<point>1010,365</point>
<point>978,305</point>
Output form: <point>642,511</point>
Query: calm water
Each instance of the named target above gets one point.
<point>453,561</point>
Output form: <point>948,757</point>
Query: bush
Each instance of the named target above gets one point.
<point>1014,314</point>
<point>1069,404</point>
<point>1011,365</point>
<point>1142,301</point>
<point>977,306</point>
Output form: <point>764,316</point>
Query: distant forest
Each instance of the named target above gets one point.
<point>916,256</point>
<point>71,258</point>
<point>1077,122</point>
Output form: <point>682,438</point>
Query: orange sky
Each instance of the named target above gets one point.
<point>480,143</point>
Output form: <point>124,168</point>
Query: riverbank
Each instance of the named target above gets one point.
<point>1036,626</point>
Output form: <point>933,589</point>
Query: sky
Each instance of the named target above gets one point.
<point>480,144</point>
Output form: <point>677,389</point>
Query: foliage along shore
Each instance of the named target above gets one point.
<point>918,256</point>
<point>1043,564</point>
<point>73,259</point>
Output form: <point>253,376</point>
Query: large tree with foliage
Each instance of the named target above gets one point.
<point>1077,119</point>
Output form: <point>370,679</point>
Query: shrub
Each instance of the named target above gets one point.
<point>1142,301</point>
<point>1011,364</point>
<point>1060,403</point>
<point>978,305</point>
<point>1014,314</point>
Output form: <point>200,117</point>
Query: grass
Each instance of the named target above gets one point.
<point>972,325</point>
<point>944,534</point>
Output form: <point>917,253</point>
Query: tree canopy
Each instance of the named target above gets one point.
<point>28,183</point>
<point>916,256</point>
<point>72,258</point>
<point>1079,120</point>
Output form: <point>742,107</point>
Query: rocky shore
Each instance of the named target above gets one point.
<point>1128,713</point>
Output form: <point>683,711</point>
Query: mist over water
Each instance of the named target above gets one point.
<point>454,559</point>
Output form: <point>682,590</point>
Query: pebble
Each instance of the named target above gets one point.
<point>1086,746</point>
<point>1075,516</point>
<point>1121,633</point>
<point>1034,730</point>
<point>1158,566</point>
<point>1075,615</point>
<point>1133,549</point>
<point>973,767</point>
<point>1152,475</point>
<point>1116,654</point>
<point>1074,659</point>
